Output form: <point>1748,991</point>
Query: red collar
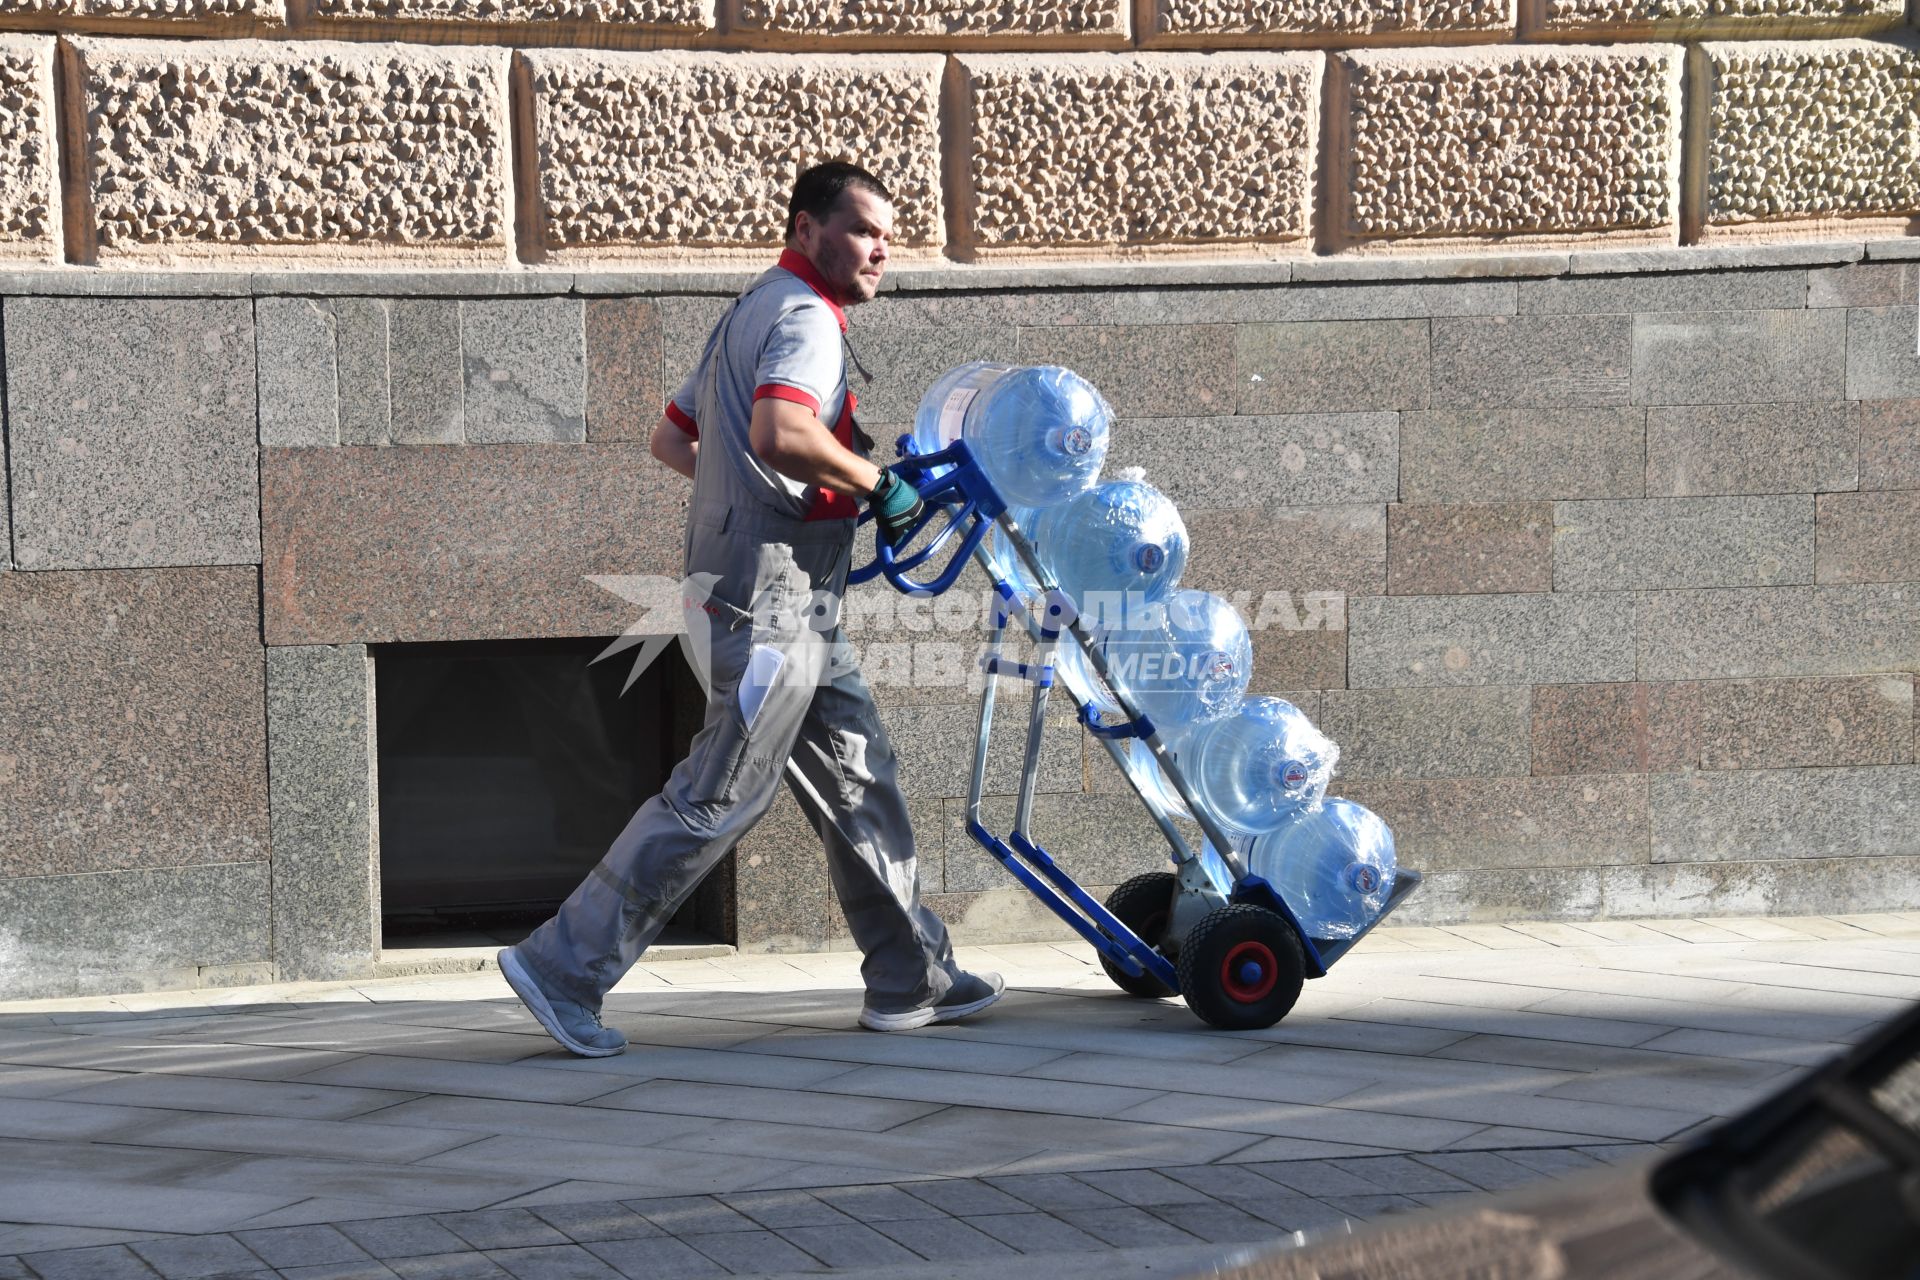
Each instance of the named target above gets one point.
<point>800,265</point>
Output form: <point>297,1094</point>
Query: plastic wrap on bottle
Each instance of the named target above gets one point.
<point>1039,431</point>
<point>1253,768</point>
<point>1184,661</point>
<point>1333,865</point>
<point>1006,561</point>
<point>1122,539</point>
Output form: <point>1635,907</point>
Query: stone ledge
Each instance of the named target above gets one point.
<point>1903,250</point>
<point>1715,257</point>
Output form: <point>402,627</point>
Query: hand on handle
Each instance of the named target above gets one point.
<point>896,507</point>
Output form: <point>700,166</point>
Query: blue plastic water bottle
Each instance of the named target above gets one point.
<point>1333,865</point>
<point>1119,540</point>
<point>1253,768</point>
<point>1039,431</point>
<point>1184,661</point>
<point>1006,561</point>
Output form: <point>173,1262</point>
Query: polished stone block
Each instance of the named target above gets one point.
<point>1764,814</point>
<point>325,807</point>
<point>134,731</point>
<point>1889,443</point>
<point>1411,641</point>
<point>1864,284</point>
<point>361,340</point>
<point>465,543</point>
<point>1740,357</point>
<point>626,395</point>
<point>425,378</point>
<point>1522,455</point>
<point>1099,839</point>
<point>1883,353</point>
<point>1339,549</point>
<point>299,391</point>
<point>132,432</point>
<point>1281,460</point>
<point>1682,542</point>
<point>1330,366</point>
<point>123,930</point>
<point>1493,362</point>
<point>1778,631</point>
<point>1793,447</point>
<point>1428,733</point>
<point>526,375</point>
<point>1677,291</point>
<point>1144,371</point>
<point>1469,548</point>
<point>1468,824</point>
<point>1869,537</point>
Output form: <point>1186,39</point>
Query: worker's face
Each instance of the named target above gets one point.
<point>849,248</point>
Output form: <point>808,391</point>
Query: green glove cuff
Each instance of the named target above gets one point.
<point>892,497</point>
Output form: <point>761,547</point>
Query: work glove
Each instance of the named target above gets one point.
<point>896,506</point>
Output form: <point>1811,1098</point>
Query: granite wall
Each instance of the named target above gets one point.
<point>1601,568</point>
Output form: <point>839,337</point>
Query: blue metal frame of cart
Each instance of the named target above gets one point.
<point>951,482</point>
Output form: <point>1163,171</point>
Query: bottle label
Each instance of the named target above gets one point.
<point>953,414</point>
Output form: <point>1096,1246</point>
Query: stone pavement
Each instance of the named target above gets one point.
<point>426,1128</point>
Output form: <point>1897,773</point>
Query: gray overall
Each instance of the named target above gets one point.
<point>782,695</point>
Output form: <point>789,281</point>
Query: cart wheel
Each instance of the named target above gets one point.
<point>1143,904</point>
<point>1242,968</point>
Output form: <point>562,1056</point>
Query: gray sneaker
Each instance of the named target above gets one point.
<point>969,994</point>
<point>576,1027</point>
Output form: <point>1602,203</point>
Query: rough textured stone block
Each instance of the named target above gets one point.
<point>1506,141</point>
<point>458,544</point>
<point>266,13</point>
<point>1869,537</point>
<point>1218,21</point>
<point>1518,639</point>
<point>1778,631</point>
<point>1677,291</point>
<point>134,732</point>
<point>626,394</point>
<point>1615,18</point>
<point>1889,443</point>
<point>1145,371</point>
<point>1286,460</point>
<point>132,432</point>
<point>1428,733</point>
<point>233,148</point>
<point>1086,150</point>
<point>1795,447</point>
<point>81,934</point>
<point>1809,129</point>
<point>1469,548</point>
<point>1298,550</point>
<point>670,15</point>
<point>320,740</point>
<point>1682,542</point>
<point>920,19</point>
<point>1666,727</point>
<point>29,187</point>
<point>526,367</point>
<point>1762,814</point>
<point>1490,362</point>
<point>294,348</point>
<point>640,151</point>
<point>1314,367</point>
<point>1739,357</point>
<point>1522,455</point>
<point>426,379</point>
<point>361,336</point>
<point>1864,284</point>
<point>1883,353</point>
<point>1462,824</point>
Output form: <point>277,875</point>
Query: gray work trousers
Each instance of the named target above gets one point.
<point>782,696</point>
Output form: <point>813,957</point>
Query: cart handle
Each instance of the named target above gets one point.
<point>961,489</point>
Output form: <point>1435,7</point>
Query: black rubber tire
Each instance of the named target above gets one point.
<point>1144,904</point>
<point>1230,943</point>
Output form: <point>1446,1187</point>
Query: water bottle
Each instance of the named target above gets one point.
<point>1038,431</point>
<point>1184,662</point>
<point>1333,865</point>
<point>1006,561</point>
<point>1252,769</point>
<point>1118,540</point>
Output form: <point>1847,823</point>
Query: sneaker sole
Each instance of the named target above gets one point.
<point>536,1001</point>
<point>914,1018</point>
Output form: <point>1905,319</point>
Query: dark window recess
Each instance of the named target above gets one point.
<point>507,767</point>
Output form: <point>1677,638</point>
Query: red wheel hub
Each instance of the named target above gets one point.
<point>1249,972</point>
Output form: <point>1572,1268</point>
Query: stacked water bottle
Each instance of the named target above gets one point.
<point>1116,549</point>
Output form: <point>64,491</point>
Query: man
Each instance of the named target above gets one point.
<point>764,427</point>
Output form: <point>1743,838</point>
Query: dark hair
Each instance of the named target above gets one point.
<point>817,191</point>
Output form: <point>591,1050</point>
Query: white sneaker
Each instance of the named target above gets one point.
<point>969,994</point>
